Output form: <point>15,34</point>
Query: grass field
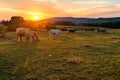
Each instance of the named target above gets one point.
<point>79,56</point>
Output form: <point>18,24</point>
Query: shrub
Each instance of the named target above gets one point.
<point>3,29</point>
<point>49,26</point>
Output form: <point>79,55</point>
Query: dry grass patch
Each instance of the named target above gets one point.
<point>75,60</point>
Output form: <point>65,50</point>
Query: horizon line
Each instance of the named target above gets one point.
<point>63,17</point>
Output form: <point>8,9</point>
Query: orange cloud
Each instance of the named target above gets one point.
<point>47,8</point>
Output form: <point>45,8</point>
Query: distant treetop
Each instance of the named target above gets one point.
<point>17,18</point>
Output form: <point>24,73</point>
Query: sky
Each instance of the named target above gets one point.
<point>59,8</point>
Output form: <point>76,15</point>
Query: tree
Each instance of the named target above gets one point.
<point>6,23</point>
<point>15,22</point>
<point>17,19</point>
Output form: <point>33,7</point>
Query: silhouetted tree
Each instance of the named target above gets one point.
<point>15,22</point>
<point>6,23</point>
<point>17,19</point>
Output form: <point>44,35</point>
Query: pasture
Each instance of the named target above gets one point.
<point>79,56</point>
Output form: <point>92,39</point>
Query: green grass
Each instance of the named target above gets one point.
<point>79,56</point>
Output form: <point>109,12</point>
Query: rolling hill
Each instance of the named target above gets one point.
<point>81,20</point>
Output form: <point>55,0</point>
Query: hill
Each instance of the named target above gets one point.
<point>81,20</point>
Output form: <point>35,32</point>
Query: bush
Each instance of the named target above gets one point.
<point>49,26</point>
<point>3,29</point>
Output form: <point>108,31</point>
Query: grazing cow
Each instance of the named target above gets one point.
<point>54,32</point>
<point>34,35</point>
<point>71,30</point>
<point>89,29</point>
<point>20,32</point>
<point>102,30</point>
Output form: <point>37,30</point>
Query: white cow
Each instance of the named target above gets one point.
<point>20,32</point>
<point>54,32</point>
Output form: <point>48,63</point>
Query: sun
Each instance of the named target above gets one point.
<point>36,17</point>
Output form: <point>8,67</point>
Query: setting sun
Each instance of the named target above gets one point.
<point>36,17</point>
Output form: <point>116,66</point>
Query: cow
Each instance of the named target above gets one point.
<point>89,29</point>
<point>20,32</point>
<point>34,35</point>
<point>71,30</point>
<point>54,32</point>
<point>103,30</point>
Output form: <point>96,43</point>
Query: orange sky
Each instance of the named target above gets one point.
<point>59,8</point>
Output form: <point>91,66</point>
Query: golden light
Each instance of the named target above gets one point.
<point>36,18</point>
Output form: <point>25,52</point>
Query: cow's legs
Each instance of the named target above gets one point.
<point>36,36</point>
<point>27,37</point>
<point>20,38</point>
<point>33,38</point>
<point>17,38</point>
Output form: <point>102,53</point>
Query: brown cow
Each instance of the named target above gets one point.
<point>20,32</point>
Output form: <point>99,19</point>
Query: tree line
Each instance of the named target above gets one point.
<point>114,25</point>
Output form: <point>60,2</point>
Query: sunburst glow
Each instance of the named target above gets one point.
<point>36,17</point>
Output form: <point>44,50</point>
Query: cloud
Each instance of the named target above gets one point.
<point>19,11</point>
<point>48,1</point>
<point>114,13</point>
<point>94,10</point>
<point>91,2</point>
<point>47,8</point>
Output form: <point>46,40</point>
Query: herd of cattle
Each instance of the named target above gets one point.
<point>98,30</point>
<point>29,34</point>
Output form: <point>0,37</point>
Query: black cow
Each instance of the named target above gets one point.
<point>103,30</point>
<point>71,30</point>
<point>89,29</point>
